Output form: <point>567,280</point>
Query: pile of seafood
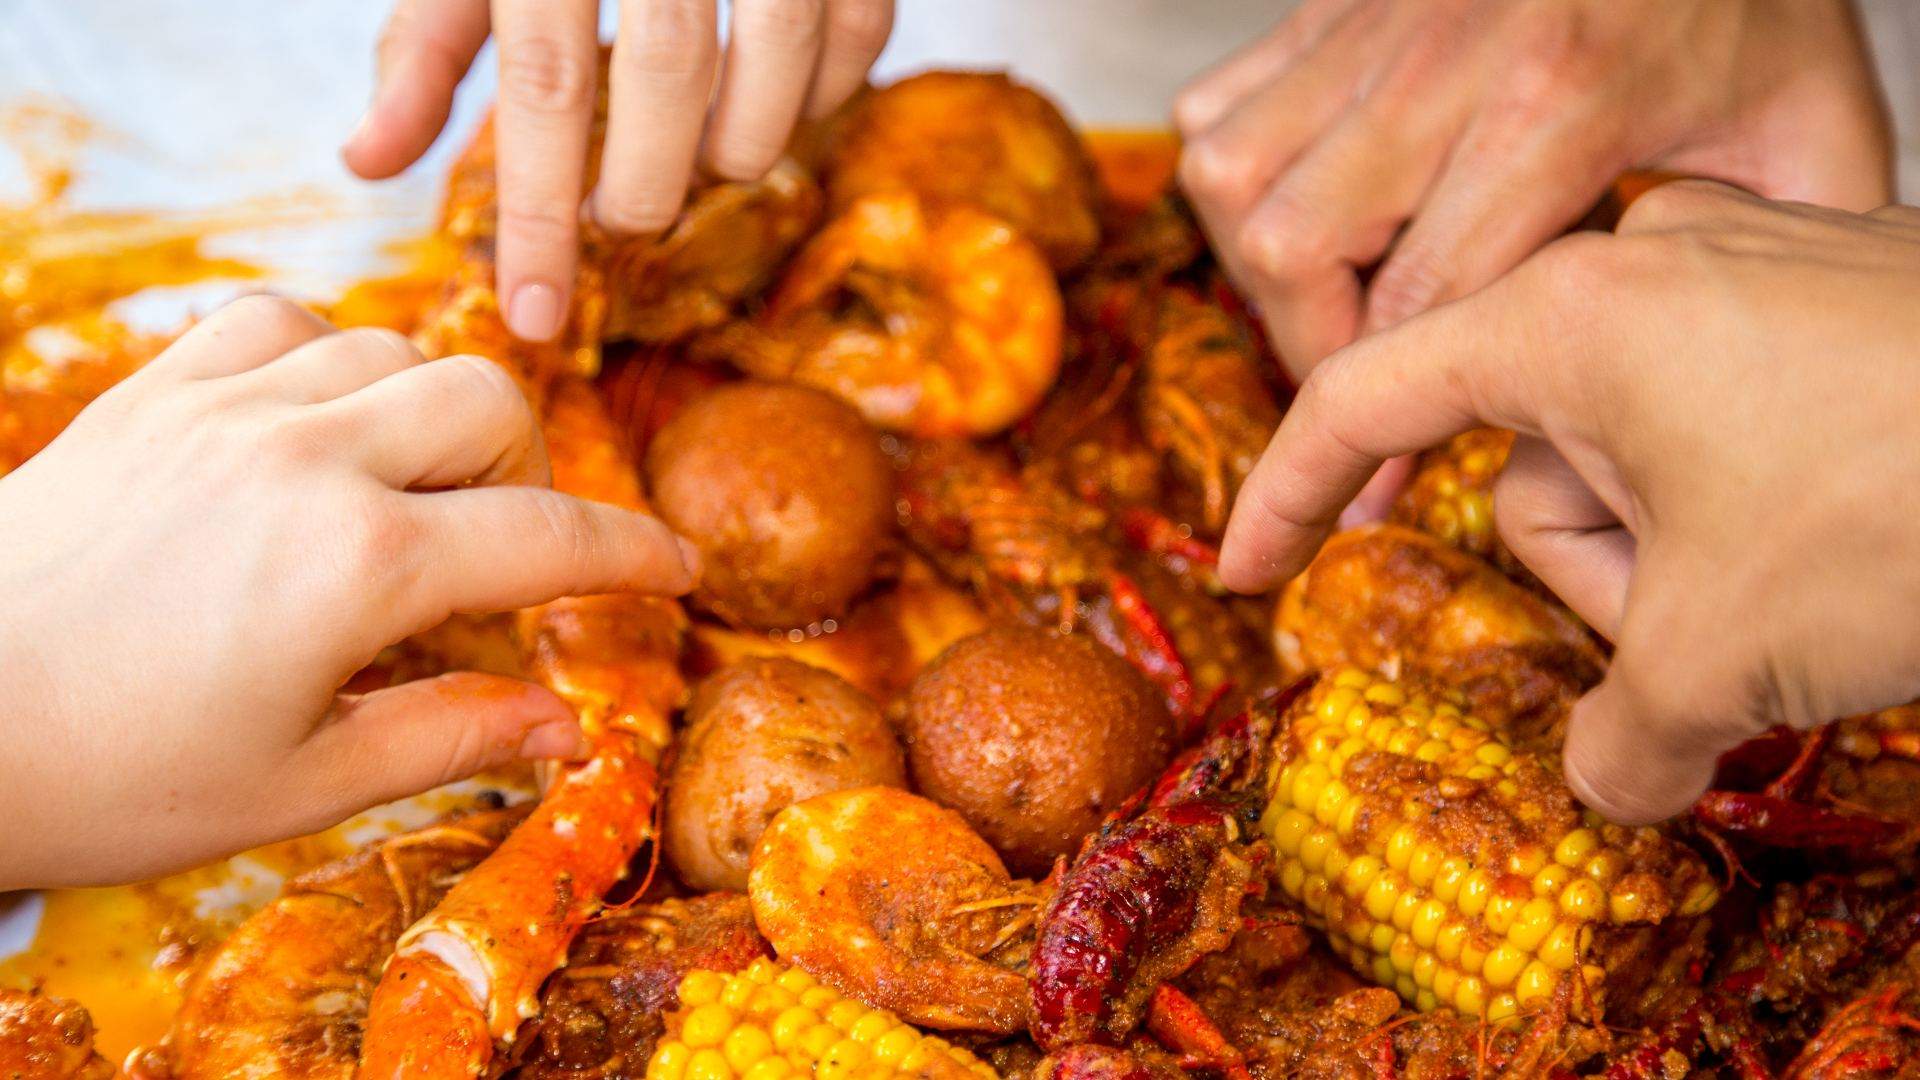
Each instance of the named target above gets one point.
<point>961,762</point>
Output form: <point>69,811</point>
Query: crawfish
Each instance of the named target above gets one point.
<point>1152,892</point>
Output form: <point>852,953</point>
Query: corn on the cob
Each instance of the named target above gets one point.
<point>1451,493</point>
<point>774,1022</point>
<point>1446,866</point>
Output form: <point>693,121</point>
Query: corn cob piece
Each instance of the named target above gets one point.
<point>1448,867</point>
<point>774,1022</point>
<point>1451,493</point>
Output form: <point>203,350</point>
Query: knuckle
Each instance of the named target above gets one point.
<point>1674,204</point>
<point>1286,241</point>
<point>862,26</point>
<point>566,533</point>
<point>672,40</point>
<point>1216,168</point>
<point>631,210</point>
<point>536,224</point>
<point>742,157</point>
<point>1409,283</point>
<point>544,74</point>
<point>267,314</point>
<point>797,21</point>
<point>381,537</point>
<point>382,342</point>
<point>476,382</point>
<point>1194,107</point>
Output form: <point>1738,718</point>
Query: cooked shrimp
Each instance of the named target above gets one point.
<point>1399,601</point>
<point>45,1038</point>
<point>896,901</point>
<point>463,978</point>
<point>286,994</point>
<point>931,321</point>
<point>958,138</point>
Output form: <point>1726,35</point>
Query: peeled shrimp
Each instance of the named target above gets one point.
<point>930,321</point>
<point>894,900</point>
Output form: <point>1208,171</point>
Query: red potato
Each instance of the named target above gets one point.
<point>761,735</point>
<point>1033,737</point>
<point>785,492</point>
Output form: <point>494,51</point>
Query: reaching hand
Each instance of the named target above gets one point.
<point>785,59</point>
<point>201,560</point>
<point>1720,444</point>
<point>1447,140</point>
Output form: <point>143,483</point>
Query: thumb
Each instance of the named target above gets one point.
<point>374,748</point>
<point>1643,745</point>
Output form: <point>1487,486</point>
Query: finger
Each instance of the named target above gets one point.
<point>1225,169</point>
<point>1206,100</point>
<point>856,32</point>
<point>549,59</point>
<point>243,335</point>
<point>1375,501</point>
<point>424,52</point>
<point>375,748</point>
<point>336,364</point>
<point>1391,394</point>
<point>1334,211</point>
<point>662,77</point>
<point>770,61</point>
<point>501,548</point>
<point>1506,192</point>
<point>1552,520</point>
<point>451,421</point>
<point>1642,746</point>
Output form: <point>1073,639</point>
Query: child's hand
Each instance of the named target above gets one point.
<point>785,59</point>
<point>1718,467</point>
<point>198,563</point>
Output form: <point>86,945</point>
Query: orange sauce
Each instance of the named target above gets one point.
<point>1134,165</point>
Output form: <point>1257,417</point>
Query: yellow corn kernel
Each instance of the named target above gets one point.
<point>1574,848</point>
<point>818,997</point>
<point>1583,900</point>
<point>1561,950</point>
<point>1504,965</point>
<point>791,1024</point>
<point>1314,849</point>
<point>1405,908</point>
<point>1403,952</point>
<point>1492,753</point>
<point>1382,896</point>
<point>1451,939</point>
<point>1451,878</point>
<point>701,987</point>
<point>1404,742</point>
<point>1425,864</point>
<point>1470,996</point>
<point>738,993</point>
<point>1337,704</point>
<point>1626,904</point>
<point>1605,867</point>
<point>1336,864</point>
<point>1502,1009</point>
<point>870,1027</point>
<point>818,1038</point>
<point>1289,830</point>
<point>1536,982</point>
<point>772,1068</point>
<point>1424,967</point>
<point>1700,899</point>
<point>1551,879</point>
<point>893,1047</point>
<point>1445,981</point>
<point>708,1065</point>
<point>1535,921</point>
<point>1293,875</point>
<point>1432,750</point>
<point>1401,846</point>
<point>1427,923</point>
<point>1314,894</point>
<point>1383,971</point>
<point>1426,1001</point>
<point>1474,894</point>
<point>1359,874</point>
<point>1380,939</point>
<point>669,1061</point>
<point>707,1025</point>
<point>1527,860</point>
<point>1503,908</point>
<point>772,999</point>
<point>746,1045</point>
<point>1312,779</point>
<point>1473,955</point>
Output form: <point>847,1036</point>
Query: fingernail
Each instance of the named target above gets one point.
<point>534,312</point>
<point>689,558</point>
<point>561,739</point>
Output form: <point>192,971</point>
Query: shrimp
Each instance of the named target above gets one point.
<point>895,900</point>
<point>46,1038</point>
<point>286,994</point>
<point>464,977</point>
<point>976,139</point>
<point>930,320</point>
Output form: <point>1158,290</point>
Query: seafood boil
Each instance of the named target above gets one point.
<point>960,761</point>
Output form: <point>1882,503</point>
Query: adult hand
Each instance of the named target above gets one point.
<point>1718,458</point>
<point>784,59</point>
<point>1446,140</point>
<point>202,559</point>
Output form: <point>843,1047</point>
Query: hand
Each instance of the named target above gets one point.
<point>785,59</point>
<point>1716,467</point>
<point>1446,140</point>
<point>201,560</point>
